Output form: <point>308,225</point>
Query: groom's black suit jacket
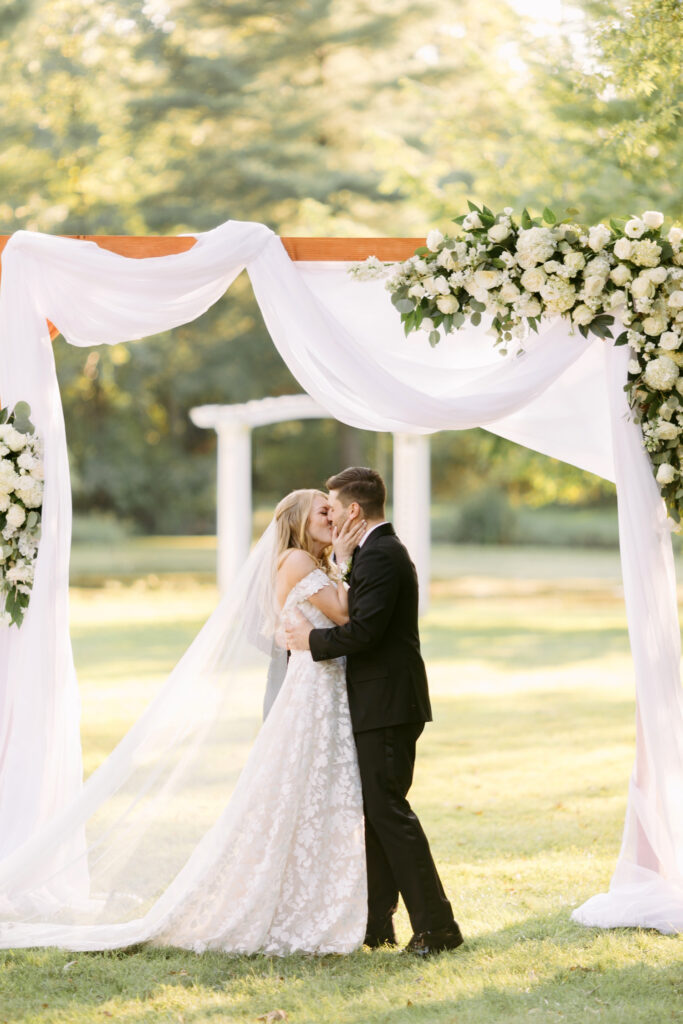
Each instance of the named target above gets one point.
<point>385,673</point>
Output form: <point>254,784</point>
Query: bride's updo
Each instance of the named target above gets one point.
<point>291,519</point>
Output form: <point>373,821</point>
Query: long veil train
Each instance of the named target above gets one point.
<point>100,866</point>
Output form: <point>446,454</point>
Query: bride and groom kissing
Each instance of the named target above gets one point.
<point>374,648</point>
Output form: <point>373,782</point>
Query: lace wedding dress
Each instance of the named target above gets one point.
<point>283,868</point>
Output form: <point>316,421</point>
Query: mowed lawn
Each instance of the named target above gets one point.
<point>521,785</point>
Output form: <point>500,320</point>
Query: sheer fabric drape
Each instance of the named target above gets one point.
<point>341,339</point>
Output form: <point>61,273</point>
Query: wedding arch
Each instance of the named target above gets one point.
<point>341,339</point>
<point>234,424</point>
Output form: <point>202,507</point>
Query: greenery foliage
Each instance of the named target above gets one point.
<point>325,117</point>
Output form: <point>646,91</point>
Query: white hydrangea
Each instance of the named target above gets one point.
<point>646,253</point>
<point>654,325</point>
<point>675,235</point>
<point>675,300</point>
<point>534,246</point>
<point>528,305</point>
<point>558,295</point>
<point>30,491</point>
<point>574,261</point>
<point>661,373</point>
<point>667,431</point>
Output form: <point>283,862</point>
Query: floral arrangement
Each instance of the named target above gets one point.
<point>516,274</point>
<point>21,499</point>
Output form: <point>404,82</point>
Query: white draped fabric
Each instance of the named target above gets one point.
<point>343,342</point>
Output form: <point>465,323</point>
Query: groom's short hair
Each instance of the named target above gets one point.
<point>361,484</point>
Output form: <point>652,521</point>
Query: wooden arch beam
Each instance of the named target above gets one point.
<point>299,249</point>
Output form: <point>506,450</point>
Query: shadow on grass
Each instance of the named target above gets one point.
<point>543,965</point>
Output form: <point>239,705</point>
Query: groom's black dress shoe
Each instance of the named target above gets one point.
<point>376,941</point>
<point>428,943</point>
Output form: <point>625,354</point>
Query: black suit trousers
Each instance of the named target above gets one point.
<point>398,856</point>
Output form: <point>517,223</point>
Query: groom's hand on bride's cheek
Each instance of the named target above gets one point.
<point>298,631</point>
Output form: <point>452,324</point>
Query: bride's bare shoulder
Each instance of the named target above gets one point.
<point>294,564</point>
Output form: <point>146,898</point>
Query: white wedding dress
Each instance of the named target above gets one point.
<point>283,868</point>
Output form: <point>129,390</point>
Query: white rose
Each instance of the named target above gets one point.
<point>499,232</point>
<point>427,324</point>
<point>666,473</point>
<point>583,315</point>
<point>633,366</point>
<point>38,471</point>
<point>487,279</point>
<point>416,291</point>
<point>667,431</point>
<point>653,219</point>
<point>620,275</point>
<point>675,300</point>
<point>472,221</point>
<point>445,260</point>
<point>661,373</point>
<point>617,298</point>
<point>658,274</point>
<point>654,325</point>
<point>4,502</point>
<point>669,340</point>
<point>623,248</point>
<point>434,239</point>
<point>15,516</point>
<point>447,304</point>
<point>675,235</point>
<point>8,478</point>
<point>642,288</point>
<point>634,228</point>
<point>593,285</point>
<point>533,280</point>
<point>509,292</point>
<point>598,236</point>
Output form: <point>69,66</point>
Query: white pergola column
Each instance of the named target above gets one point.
<point>412,503</point>
<point>234,511</point>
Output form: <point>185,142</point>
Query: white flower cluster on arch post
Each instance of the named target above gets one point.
<point>21,501</point>
<point>516,274</point>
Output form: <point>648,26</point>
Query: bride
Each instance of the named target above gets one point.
<point>282,868</point>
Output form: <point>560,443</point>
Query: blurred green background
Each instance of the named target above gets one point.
<point>326,117</point>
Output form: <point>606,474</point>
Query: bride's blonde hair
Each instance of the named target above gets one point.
<point>291,521</point>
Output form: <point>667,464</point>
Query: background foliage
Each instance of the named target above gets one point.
<point>317,117</point>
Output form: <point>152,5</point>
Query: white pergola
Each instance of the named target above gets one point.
<point>233,425</point>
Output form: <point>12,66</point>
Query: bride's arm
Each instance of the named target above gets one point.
<point>331,600</point>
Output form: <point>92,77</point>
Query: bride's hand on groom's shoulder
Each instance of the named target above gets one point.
<point>346,540</point>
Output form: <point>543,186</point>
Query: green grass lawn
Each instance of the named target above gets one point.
<point>520,783</point>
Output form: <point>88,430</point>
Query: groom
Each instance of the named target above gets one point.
<point>389,704</point>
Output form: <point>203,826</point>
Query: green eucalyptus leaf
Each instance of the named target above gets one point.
<point>548,216</point>
<point>434,337</point>
<point>475,319</point>
<point>405,305</point>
